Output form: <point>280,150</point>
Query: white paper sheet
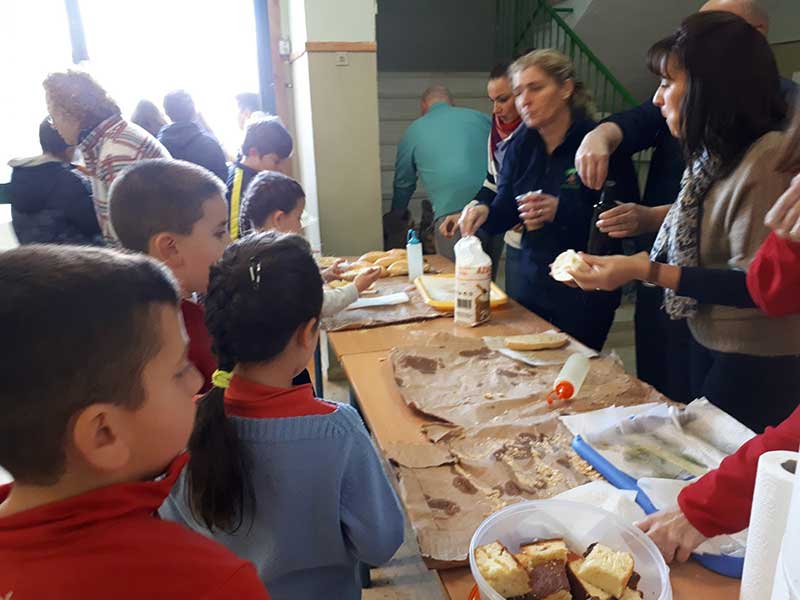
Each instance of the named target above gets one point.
<point>387,300</point>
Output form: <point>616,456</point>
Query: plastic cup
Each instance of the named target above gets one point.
<point>580,525</point>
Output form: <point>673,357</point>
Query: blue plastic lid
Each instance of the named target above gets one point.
<point>412,237</point>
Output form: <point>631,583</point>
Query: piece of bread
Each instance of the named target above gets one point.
<point>607,569</point>
<point>371,257</point>
<point>537,341</point>
<point>338,283</point>
<point>398,252</point>
<point>583,590</point>
<point>560,595</point>
<point>353,273</point>
<point>501,570</point>
<point>569,259</point>
<point>399,267</point>
<point>386,261</point>
<point>326,261</point>
<point>631,595</point>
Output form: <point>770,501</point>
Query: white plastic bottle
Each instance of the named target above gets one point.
<point>413,255</point>
<point>473,282</point>
<point>570,378</point>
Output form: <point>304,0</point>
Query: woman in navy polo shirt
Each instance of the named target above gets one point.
<point>556,110</point>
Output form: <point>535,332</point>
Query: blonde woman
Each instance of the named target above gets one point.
<point>557,111</point>
<point>86,116</point>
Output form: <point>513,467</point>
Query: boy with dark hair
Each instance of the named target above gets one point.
<point>186,140</point>
<point>267,144</point>
<point>96,444</point>
<point>51,203</point>
<point>175,212</point>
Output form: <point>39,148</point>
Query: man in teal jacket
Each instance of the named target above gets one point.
<point>446,147</point>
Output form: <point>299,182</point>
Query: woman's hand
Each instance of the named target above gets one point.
<point>626,220</point>
<point>784,217</point>
<point>672,532</point>
<point>333,272</point>
<point>472,217</point>
<point>448,226</point>
<point>537,209</point>
<point>608,273</point>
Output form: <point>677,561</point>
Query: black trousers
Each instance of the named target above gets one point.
<point>662,346</point>
<point>759,391</point>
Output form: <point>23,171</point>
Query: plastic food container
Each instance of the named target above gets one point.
<point>580,525</point>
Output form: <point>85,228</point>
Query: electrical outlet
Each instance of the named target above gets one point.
<point>342,59</point>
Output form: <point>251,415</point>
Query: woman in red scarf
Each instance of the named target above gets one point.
<point>505,123</point>
<point>720,502</point>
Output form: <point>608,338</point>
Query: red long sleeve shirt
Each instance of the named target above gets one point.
<point>720,502</point>
<point>773,278</point>
<point>108,543</point>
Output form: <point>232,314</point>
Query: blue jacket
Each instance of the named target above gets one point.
<point>187,141</point>
<point>527,167</point>
<point>51,203</point>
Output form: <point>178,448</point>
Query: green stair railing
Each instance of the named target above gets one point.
<point>535,24</point>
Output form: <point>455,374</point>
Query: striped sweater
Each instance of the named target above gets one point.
<point>107,149</point>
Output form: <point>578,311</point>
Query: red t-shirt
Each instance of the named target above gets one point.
<point>200,354</point>
<point>773,278</point>
<point>108,543</point>
<point>251,400</point>
<point>720,501</point>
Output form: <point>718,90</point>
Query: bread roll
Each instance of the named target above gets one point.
<point>398,268</point>
<point>569,259</point>
<point>371,257</point>
<point>386,261</point>
<point>537,341</point>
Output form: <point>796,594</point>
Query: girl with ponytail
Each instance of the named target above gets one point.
<point>285,480</point>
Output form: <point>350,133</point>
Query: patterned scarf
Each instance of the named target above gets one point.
<point>678,240</point>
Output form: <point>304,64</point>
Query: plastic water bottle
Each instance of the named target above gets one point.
<point>414,255</point>
<point>570,378</point>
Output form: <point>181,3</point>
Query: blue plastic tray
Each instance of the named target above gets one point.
<point>729,566</point>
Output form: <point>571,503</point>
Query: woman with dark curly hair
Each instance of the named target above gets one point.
<point>86,116</point>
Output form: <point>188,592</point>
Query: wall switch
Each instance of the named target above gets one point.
<point>342,59</point>
<point>284,47</point>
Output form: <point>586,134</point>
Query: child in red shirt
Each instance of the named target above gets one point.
<point>175,211</point>
<point>95,411</point>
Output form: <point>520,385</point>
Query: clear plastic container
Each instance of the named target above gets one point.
<point>579,525</point>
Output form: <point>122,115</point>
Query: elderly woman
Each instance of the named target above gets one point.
<point>721,98</point>
<point>84,114</point>
<point>556,109</point>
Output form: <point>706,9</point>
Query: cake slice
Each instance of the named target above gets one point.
<point>583,590</point>
<point>546,562</point>
<point>502,570</point>
<point>607,569</point>
<point>536,553</point>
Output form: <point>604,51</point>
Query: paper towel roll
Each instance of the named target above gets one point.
<point>787,575</point>
<point>771,501</point>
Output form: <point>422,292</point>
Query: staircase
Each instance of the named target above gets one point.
<point>398,105</point>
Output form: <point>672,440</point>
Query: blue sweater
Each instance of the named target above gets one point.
<point>323,504</point>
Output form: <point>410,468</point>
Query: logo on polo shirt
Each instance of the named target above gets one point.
<point>571,181</point>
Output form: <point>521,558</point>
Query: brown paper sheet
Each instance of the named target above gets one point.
<point>461,381</point>
<point>362,318</point>
<point>496,466</point>
<point>505,443</point>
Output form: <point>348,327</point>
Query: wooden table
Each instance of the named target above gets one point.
<point>364,356</point>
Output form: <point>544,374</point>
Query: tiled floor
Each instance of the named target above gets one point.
<point>405,577</point>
